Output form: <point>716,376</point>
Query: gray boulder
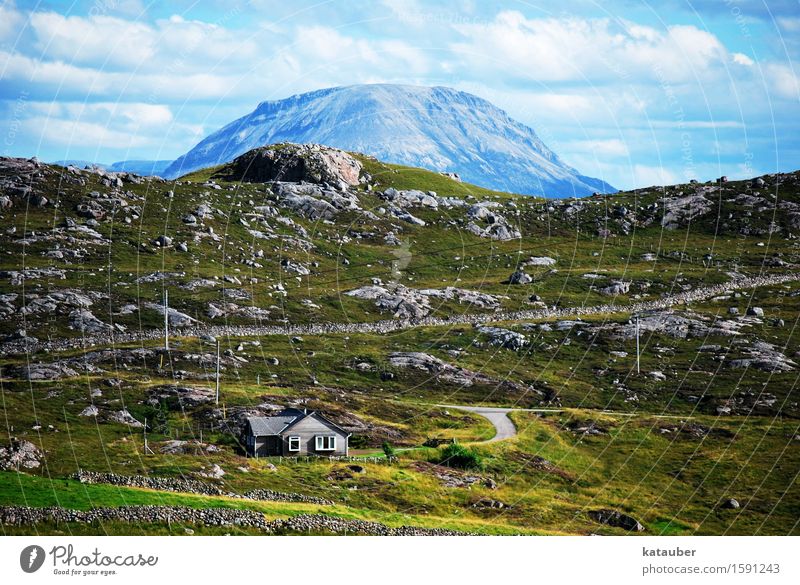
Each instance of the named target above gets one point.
<point>616,519</point>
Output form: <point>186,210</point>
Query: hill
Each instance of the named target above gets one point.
<point>436,128</point>
<point>377,294</point>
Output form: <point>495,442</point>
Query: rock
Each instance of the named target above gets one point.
<point>54,371</point>
<point>403,302</point>
<point>616,288</point>
<point>126,418</point>
<point>674,324</point>
<point>312,163</point>
<point>540,261</point>
<point>90,410</point>
<point>186,396</point>
<point>730,504</point>
<point>616,519</point>
<point>84,321</point>
<point>20,455</point>
<point>490,503</point>
<point>216,472</point>
<point>505,338</point>
<point>175,317</point>
<point>680,211</point>
<point>446,372</point>
<point>765,357</point>
<point>755,311</point>
<point>520,277</point>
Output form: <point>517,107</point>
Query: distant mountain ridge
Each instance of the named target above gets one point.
<point>437,128</point>
<point>139,167</point>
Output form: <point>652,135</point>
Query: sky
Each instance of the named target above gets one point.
<point>636,93</point>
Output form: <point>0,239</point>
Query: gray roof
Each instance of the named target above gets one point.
<point>270,425</point>
<point>261,426</point>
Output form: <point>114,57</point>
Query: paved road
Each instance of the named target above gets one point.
<point>504,428</point>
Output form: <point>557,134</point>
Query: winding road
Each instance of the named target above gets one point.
<point>504,428</point>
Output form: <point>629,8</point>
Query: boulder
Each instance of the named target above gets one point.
<point>616,519</point>
<point>616,288</point>
<point>504,338</point>
<point>20,455</point>
<point>84,321</point>
<point>520,277</point>
<point>312,163</point>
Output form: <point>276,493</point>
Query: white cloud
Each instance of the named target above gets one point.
<point>10,21</point>
<point>603,148</point>
<point>645,175</point>
<point>562,49</point>
<point>784,81</point>
<point>789,24</point>
<point>742,59</point>
<point>109,42</point>
<point>104,125</point>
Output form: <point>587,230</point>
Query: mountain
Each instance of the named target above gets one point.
<point>139,167</point>
<point>437,128</point>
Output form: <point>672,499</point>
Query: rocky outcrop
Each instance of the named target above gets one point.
<point>409,303</point>
<point>616,519</point>
<point>190,396</point>
<point>675,324</point>
<point>679,211</point>
<point>520,277</point>
<point>20,455</point>
<point>445,372</point>
<point>312,163</point>
<point>765,357</point>
<point>83,320</point>
<point>505,338</point>
<point>313,201</point>
<point>451,477</point>
<point>175,317</point>
<point>124,417</point>
<point>616,288</point>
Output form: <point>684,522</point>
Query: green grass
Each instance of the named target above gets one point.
<point>670,484</point>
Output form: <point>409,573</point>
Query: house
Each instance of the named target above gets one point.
<point>294,432</point>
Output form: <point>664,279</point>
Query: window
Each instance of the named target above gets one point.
<point>294,444</point>
<point>326,443</point>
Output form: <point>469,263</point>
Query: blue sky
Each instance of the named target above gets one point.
<point>637,93</point>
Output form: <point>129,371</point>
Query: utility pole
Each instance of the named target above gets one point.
<point>144,433</point>
<point>217,372</point>
<point>637,344</point>
<point>166,320</point>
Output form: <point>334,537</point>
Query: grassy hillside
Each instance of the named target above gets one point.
<point>710,414</point>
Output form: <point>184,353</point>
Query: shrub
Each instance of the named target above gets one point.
<point>457,455</point>
<point>389,451</point>
<point>359,441</point>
